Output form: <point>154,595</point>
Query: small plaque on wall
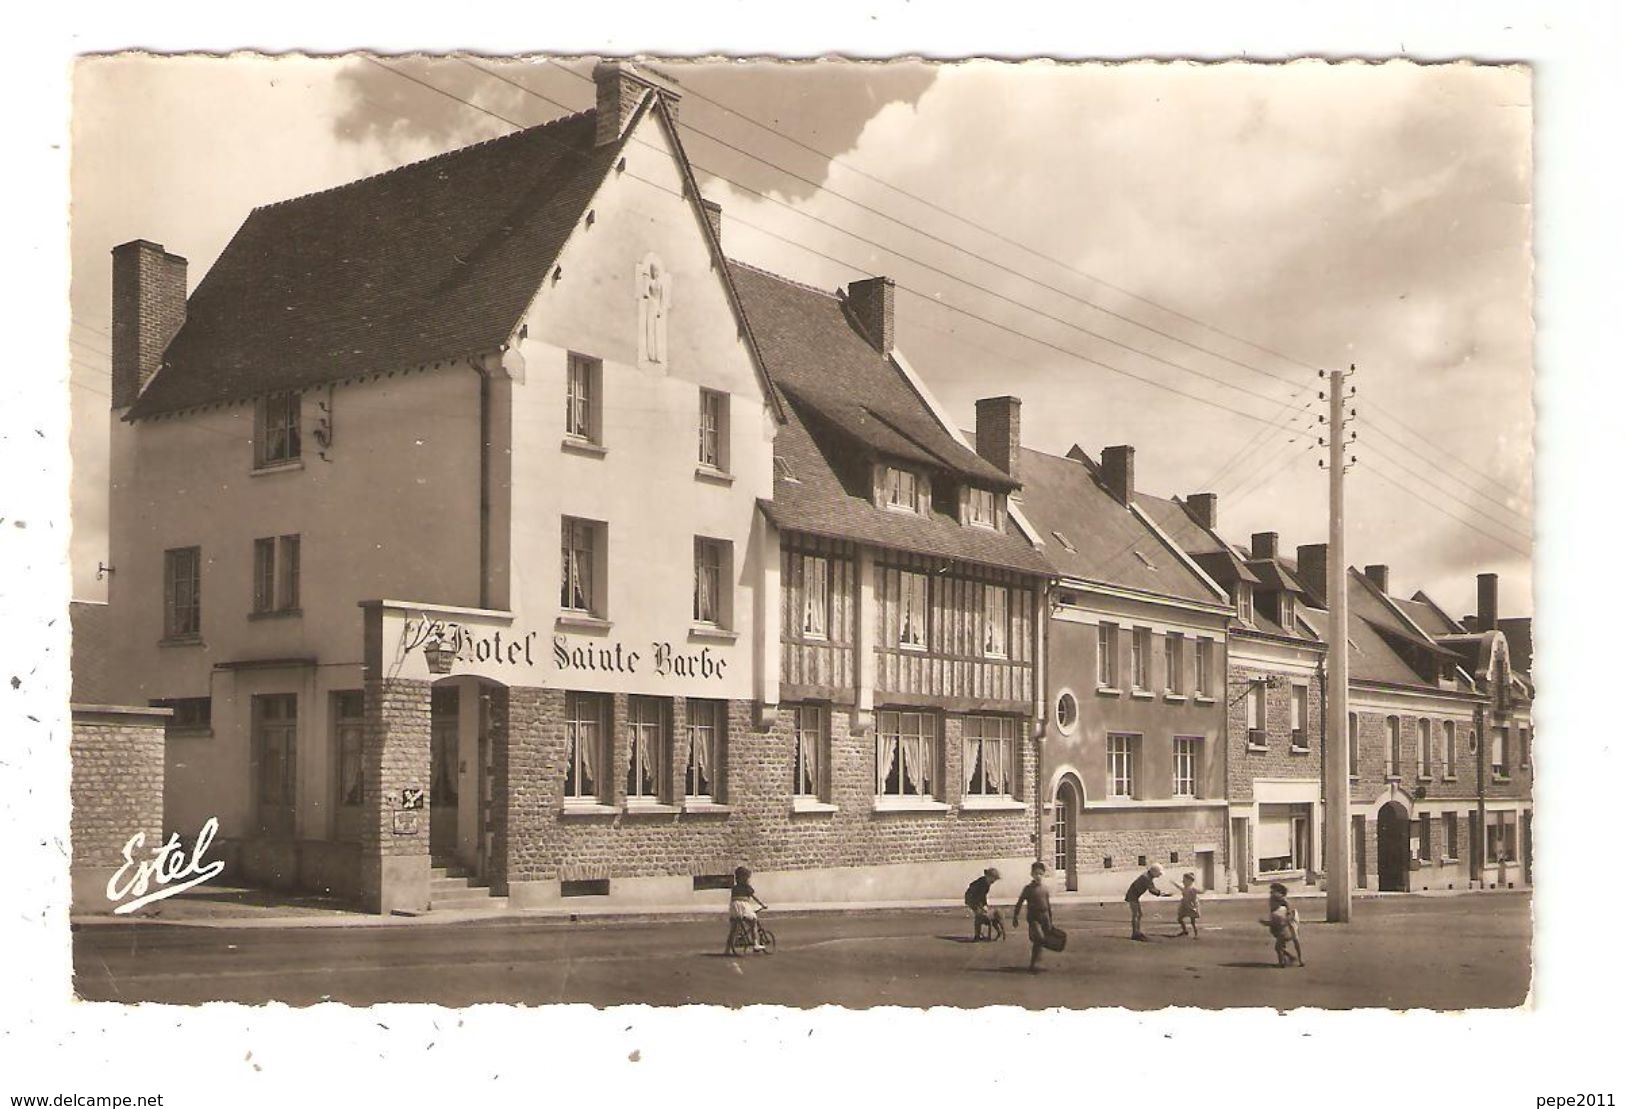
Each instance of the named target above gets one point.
<point>406,822</point>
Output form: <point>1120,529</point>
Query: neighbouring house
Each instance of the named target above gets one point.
<point>1134,742</point>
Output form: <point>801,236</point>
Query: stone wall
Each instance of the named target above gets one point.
<point>1279,759</point>
<point>117,790</point>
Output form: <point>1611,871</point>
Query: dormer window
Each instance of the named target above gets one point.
<point>1287,616</point>
<point>981,507</point>
<point>900,489</point>
<point>1244,601</point>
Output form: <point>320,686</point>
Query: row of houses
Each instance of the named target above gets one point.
<point>481,530</point>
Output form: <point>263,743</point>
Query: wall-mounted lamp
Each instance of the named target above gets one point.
<point>439,655</point>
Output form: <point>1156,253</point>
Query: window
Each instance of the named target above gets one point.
<point>581,404</point>
<point>712,577</point>
<point>1426,837</point>
<point>1139,656</point>
<point>996,622</point>
<point>1257,713</point>
<point>1106,656</point>
<point>1354,745</point>
<point>1066,711</point>
<point>714,429</point>
<point>1204,667</point>
<point>1501,837</point>
<point>900,489</point>
<point>1244,601</point>
<point>814,597</point>
<point>1281,839</point>
<point>1523,746</point>
<point>276,574</point>
<point>1450,836</point>
<point>276,727</point>
<point>183,597</point>
<point>990,756</point>
<point>1288,619</point>
<point>707,740</point>
<point>1392,762</point>
<point>981,507</point>
<point>349,722</point>
<point>1424,748</point>
<point>1449,748</point>
<point>812,741</point>
<point>586,726</point>
<point>276,429</point>
<point>1498,751</point>
<point>1185,753</point>
<point>913,592</point>
<point>1176,663</point>
<point>905,754</point>
<point>192,715</point>
<point>647,730</point>
<point>1300,717</point>
<point>579,561</point>
<point>1120,764</point>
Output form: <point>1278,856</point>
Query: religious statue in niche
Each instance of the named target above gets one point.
<point>654,300</point>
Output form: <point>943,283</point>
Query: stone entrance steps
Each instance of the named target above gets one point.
<point>452,887</point>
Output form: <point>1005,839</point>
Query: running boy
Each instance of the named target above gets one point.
<point>740,908</point>
<point>1189,908</point>
<point>1144,884</point>
<point>976,895</point>
<point>1035,895</point>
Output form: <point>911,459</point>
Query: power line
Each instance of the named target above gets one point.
<point>1425,480</point>
<point>1524,552</point>
<point>1453,458</point>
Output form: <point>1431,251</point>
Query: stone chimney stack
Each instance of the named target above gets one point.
<point>1117,470</point>
<point>149,306</point>
<point>1204,509</point>
<point>713,216</point>
<point>873,302</point>
<point>1312,570</point>
<point>1489,602</point>
<point>1379,577</point>
<point>621,87</point>
<point>1266,544</point>
<point>998,433</point>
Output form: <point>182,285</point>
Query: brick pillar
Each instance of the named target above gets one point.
<point>395,843</point>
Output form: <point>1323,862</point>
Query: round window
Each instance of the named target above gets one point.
<point>1066,711</point>
<point>1472,743</point>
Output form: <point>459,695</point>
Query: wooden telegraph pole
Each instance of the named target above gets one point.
<point>1339,899</point>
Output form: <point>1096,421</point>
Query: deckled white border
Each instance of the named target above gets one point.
<point>268,1056</point>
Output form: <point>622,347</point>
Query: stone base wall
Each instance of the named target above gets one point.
<point>117,790</point>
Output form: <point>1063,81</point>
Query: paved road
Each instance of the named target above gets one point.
<point>1402,952</point>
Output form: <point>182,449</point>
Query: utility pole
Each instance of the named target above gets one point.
<point>1339,901</point>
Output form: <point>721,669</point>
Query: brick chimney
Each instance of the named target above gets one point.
<point>998,433</point>
<point>873,303</point>
<point>1266,544</point>
<point>149,306</point>
<point>1312,570</point>
<point>1489,602</point>
<point>1204,509</point>
<point>1117,470</point>
<point>713,216</point>
<point>1379,577</point>
<point>621,87</point>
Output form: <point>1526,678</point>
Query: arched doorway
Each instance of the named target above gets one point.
<point>1067,805</point>
<point>1393,847</point>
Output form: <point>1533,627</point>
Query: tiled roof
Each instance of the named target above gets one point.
<point>1427,615</point>
<point>1109,543</point>
<point>821,484</point>
<point>820,361</point>
<point>1520,642</point>
<point>1371,658</point>
<point>90,684</point>
<point>1274,577</point>
<point>1216,559</point>
<point>429,262</point>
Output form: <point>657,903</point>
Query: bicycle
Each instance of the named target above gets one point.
<point>739,936</point>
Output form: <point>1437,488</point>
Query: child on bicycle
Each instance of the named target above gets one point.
<point>741,909</point>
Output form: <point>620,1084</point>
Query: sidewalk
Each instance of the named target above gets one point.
<point>237,907</point>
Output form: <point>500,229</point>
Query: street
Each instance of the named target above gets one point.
<point>1401,952</point>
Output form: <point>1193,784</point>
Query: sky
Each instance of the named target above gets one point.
<point>1153,254</point>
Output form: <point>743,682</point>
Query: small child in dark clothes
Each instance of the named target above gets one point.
<point>1283,925</point>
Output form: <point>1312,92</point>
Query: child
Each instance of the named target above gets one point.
<point>740,908</point>
<point>1189,909</point>
<point>976,895</point>
<point>1036,897</point>
<point>1283,925</point>
<point>1144,884</point>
